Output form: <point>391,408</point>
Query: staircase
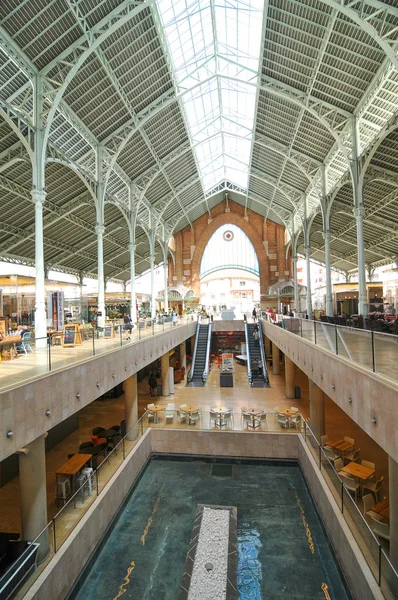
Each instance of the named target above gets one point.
<point>201,357</point>
<point>254,352</point>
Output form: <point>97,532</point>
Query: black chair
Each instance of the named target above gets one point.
<point>103,451</point>
<point>97,431</point>
<point>70,455</point>
<point>86,445</point>
<point>115,427</point>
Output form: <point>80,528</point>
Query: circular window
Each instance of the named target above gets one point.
<point>228,236</point>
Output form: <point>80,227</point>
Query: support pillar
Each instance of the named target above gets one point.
<point>296,288</point>
<point>153,293</point>
<point>164,365</point>
<point>133,299</point>
<point>38,197</point>
<point>267,346</point>
<point>289,377</point>
<point>166,277</point>
<point>33,495</point>
<point>359,212</point>
<point>328,275</point>
<point>99,230</point>
<point>275,359</point>
<point>308,264</point>
<point>183,355</point>
<point>131,405</point>
<point>317,410</point>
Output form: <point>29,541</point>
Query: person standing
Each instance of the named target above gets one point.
<point>254,315</point>
<point>254,367</point>
<point>153,384</point>
<point>256,336</point>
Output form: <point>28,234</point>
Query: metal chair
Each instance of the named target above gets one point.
<point>374,487</point>
<point>352,455</point>
<point>380,529</point>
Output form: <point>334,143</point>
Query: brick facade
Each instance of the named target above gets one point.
<point>266,237</point>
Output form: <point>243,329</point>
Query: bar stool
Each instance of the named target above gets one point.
<point>80,481</point>
<point>62,489</point>
<point>88,472</point>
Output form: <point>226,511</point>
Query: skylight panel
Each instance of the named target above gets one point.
<point>215,48</point>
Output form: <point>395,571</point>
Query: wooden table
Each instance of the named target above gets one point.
<point>341,445</point>
<point>188,410</point>
<point>382,508</point>
<point>155,409</point>
<point>11,340</point>
<point>358,471</point>
<point>71,468</point>
<point>221,410</point>
<point>287,412</point>
<point>253,412</point>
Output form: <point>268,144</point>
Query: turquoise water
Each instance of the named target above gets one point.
<point>282,547</point>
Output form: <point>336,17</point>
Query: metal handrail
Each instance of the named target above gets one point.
<point>343,487</point>
<point>262,352</point>
<point>206,369</point>
<point>194,350</point>
<point>249,370</point>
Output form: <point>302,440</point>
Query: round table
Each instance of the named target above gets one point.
<point>221,410</point>
<point>155,409</point>
<point>188,410</point>
<point>253,412</point>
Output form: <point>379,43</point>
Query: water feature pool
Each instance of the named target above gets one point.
<point>282,547</point>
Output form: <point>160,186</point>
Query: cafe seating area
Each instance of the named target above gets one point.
<point>360,479</point>
<point>78,472</point>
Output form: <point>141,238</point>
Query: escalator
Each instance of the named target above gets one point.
<point>200,361</point>
<point>254,352</point>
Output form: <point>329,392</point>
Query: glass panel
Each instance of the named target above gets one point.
<point>389,577</point>
<point>361,531</point>
<point>216,56</point>
<point>386,354</point>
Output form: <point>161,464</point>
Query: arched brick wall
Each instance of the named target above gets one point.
<point>252,234</point>
<point>266,237</point>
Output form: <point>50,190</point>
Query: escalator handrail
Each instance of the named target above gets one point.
<point>194,351</point>
<point>262,351</point>
<point>249,370</point>
<point>206,369</point>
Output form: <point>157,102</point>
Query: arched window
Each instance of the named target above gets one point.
<point>229,248</point>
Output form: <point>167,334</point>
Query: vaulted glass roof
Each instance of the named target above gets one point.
<point>215,50</point>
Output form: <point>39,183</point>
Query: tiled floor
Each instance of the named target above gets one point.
<point>31,365</point>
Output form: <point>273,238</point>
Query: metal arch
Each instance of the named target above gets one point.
<point>345,180</point>
<point>261,140</point>
<point>131,127</point>
<point>125,213</point>
<point>196,179</point>
<point>7,118</point>
<point>75,168</point>
<point>356,16</point>
<point>388,128</point>
<point>12,161</point>
<point>224,267</point>
<point>113,26</point>
<point>240,193</point>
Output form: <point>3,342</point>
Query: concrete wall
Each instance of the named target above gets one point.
<point>63,570</point>
<point>237,325</point>
<point>371,395</point>
<point>22,409</point>
<point>225,443</point>
<point>357,573</point>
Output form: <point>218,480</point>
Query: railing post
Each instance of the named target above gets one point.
<point>301,327</point>
<point>124,449</point>
<point>93,342</point>
<point>315,331</point>
<point>121,335</point>
<point>320,457</point>
<point>139,330</point>
<point>49,352</point>
<point>379,574</point>
<point>55,537</point>
<point>96,479</point>
<point>305,431</point>
<point>373,352</point>
<point>342,497</point>
<point>337,345</point>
